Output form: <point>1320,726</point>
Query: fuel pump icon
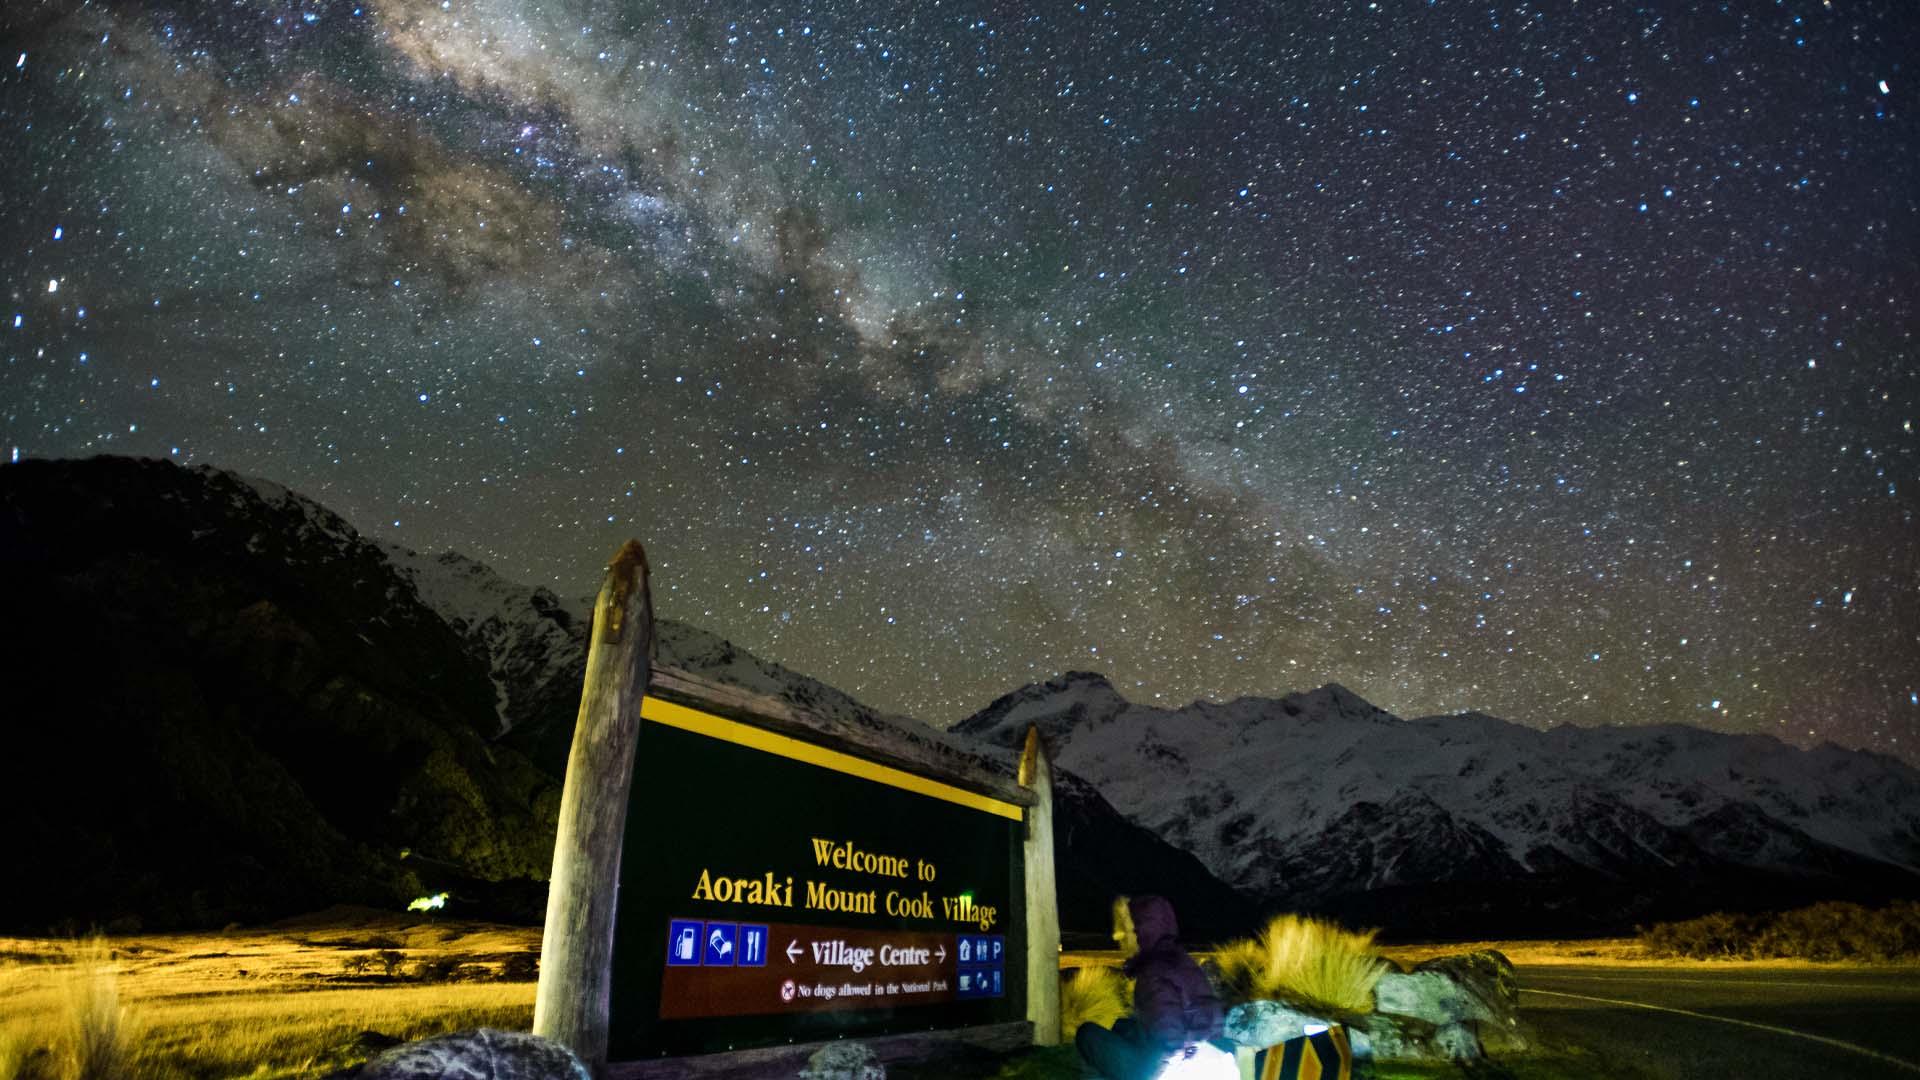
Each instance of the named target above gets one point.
<point>683,942</point>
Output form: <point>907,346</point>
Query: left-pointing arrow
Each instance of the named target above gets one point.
<point>792,947</point>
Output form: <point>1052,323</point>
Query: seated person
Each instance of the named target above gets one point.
<point>1174,1008</point>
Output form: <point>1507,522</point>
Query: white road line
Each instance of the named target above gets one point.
<point>1878,984</point>
<point>1856,1048</point>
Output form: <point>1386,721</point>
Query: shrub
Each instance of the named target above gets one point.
<point>357,964</point>
<point>451,968</point>
<point>1830,931</point>
<point>1099,995</point>
<point>521,967</point>
<point>390,960</point>
<point>1718,936</point>
<point>439,968</point>
<point>1309,962</point>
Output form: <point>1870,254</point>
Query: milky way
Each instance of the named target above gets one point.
<point>1555,361</point>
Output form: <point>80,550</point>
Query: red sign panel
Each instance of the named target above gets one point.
<point>718,969</point>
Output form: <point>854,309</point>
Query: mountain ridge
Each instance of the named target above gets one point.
<point>1321,800</point>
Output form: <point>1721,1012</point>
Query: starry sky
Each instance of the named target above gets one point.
<point>1553,360</point>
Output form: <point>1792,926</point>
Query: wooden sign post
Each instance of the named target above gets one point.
<point>576,955</point>
<point>1043,907</point>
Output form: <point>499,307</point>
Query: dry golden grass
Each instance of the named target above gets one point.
<point>1309,962</point>
<point>1598,952</point>
<point>1099,995</point>
<point>257,1003</point>
<point>1595,951</point>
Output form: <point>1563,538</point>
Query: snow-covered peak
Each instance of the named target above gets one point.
<point>1262,789</point>
<point>1059,705</point>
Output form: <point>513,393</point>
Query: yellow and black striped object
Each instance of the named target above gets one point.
<point>1324,1055</point>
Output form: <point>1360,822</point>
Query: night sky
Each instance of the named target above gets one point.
<point>1556,361</point>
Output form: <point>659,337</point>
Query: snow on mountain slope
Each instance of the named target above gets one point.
<point>1321,794</point>
<point>537,646</point>
<point>533,640</point>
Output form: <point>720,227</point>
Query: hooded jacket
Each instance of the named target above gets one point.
<point>1172,998</point>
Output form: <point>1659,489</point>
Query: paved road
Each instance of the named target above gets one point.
<point>1749,1023</point>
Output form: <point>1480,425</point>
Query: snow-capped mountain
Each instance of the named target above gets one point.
<point>1322,801</point>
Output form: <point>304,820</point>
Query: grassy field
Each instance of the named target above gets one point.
<point>298,999</point>
<point>310,996</point>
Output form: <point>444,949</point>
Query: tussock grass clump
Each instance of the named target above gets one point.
<point>1308,962</point>
<point>1831,931</point>
<point>99,1031</point>
<point>1100,995</point>
<point>82,1033</point>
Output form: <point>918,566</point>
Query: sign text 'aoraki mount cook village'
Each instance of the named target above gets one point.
<point>775,891</point>
<point>770,890</point>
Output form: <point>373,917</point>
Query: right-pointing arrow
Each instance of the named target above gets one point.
<point>792,948</point>
<point>943,954</point>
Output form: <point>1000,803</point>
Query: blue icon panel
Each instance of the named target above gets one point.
<point>720,944</point>
<point>753,946</point>
<point>982,966</point>
<point>683,942</point>
<point>981,982</point>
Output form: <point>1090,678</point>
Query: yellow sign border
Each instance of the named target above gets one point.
<point>733,731</point>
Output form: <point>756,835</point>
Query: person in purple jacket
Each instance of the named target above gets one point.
<point>1174,1008</point>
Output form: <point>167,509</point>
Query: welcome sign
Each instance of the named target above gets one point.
<point>774,890</point>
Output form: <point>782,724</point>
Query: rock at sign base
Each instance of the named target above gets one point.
<point>480,1054</point>
<point>1261,1024</point>
<point>1451,1008</point>
<point>844,1061</point>
<point>1449,989</point>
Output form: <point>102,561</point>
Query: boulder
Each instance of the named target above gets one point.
<point>844,1061</point>
<point>1450,1008</point>
<point>1260,1024</point>
<point>1402,1039</point>
<point>479,1054</point>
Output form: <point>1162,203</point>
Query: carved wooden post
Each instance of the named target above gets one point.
<point>1043,905</point>
<point>576,952</point>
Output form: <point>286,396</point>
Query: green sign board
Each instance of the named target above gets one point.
<point>774,891</point>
